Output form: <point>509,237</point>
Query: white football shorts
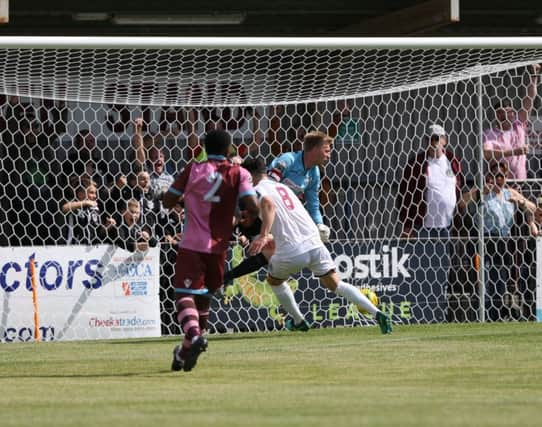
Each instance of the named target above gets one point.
<point>318,260</point>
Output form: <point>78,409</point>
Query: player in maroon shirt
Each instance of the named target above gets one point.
<point>210,191</point>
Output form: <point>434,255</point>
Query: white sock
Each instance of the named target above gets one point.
<point>352,294</point>
<point>286,298</point>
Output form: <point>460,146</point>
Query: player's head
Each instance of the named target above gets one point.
<point>504,113</point>
<point>257,168</point>
<point>217,142</point>
<point>317,147</point>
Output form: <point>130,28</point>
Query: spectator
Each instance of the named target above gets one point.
<point>346,122</point>
<point>499,207</point>
<point>141,143</point>
<point>34,158</point>
<point>151,182</point>
<point>83,219</point>
<point>53,117</point>
<point>427,199</point>
<point>132,234</point>
<point>28,176</point>
<point>118,115</point>
<point>140,192</point>
<point>506,141</point>
<point>500,204</point>
<point>169,227</point>
<point>430,188</point>
<point>15,111</point>
<point>241,122</point>
<point>160,179</point>
<point>172,121</point>
<point>150,158</point>
<point>85,158</point>
<point>276,134</point>
<point>283,135</point>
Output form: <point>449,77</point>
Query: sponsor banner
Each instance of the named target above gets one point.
<point>539,279</point>
<point>409,277</point>
<point>83,292</point>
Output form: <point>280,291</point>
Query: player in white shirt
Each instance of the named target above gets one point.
<point>297,245</point>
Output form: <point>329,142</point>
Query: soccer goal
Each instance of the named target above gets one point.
<point>441,224</point>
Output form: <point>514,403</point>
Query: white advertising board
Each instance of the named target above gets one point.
<point>95,292</point>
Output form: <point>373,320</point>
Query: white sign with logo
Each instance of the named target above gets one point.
<point>94,292</point>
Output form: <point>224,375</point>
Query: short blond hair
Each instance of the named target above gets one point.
<point>316,138</point>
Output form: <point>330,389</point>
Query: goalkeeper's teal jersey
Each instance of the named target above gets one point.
<point>289,169</point>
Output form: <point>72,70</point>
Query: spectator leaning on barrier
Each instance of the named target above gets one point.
<point>499,208</point>
<point>430,188</point>
<point>500,204</point>
<point>83,217</point>
<point>506,140</point>
<point>140,191</point>
<point>132,235</point>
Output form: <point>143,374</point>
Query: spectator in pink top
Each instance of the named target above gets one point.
<point>210,191</point>
<point>506,141</point>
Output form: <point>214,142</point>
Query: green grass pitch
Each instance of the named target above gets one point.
<point>434,375</point>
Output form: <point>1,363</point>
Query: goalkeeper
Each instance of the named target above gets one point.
<point>300,171</point>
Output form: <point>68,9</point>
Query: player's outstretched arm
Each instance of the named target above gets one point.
<point>267,211</point>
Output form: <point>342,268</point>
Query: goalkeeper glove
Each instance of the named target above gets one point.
<point>324,232</point>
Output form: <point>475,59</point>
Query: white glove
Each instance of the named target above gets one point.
<point>324,232</point>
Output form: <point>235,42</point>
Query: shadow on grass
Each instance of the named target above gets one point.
<point>104,375</point>
<point>237,336</point>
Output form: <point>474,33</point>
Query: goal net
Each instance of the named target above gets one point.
<point>438,235</point>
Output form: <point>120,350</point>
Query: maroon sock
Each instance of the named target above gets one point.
<point>188,318</point>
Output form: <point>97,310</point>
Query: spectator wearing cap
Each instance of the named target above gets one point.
<point>430,188</point>
<point>428,194</point>
<point>506,139</point>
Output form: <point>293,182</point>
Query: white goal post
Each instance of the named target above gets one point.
<point>69,108</point>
